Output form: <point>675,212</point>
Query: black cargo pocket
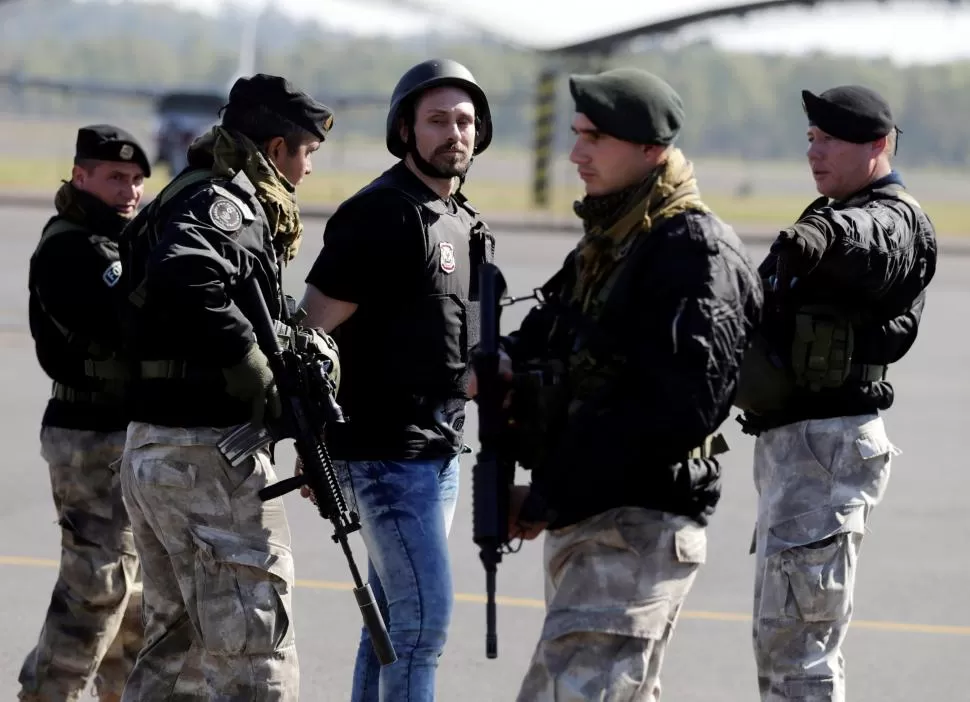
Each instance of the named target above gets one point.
<point>243,590</point>
<point>821,576</point>
<point>441,340</point>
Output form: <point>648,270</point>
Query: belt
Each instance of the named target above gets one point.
<point>867,372</point>
<point>88,397</point>
<point>163,369</point>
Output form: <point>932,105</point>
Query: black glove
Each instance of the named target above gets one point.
<point>799,250</point>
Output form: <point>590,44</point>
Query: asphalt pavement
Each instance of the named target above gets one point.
<point>911,636</point>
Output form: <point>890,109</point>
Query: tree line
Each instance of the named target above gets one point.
<point>738,105</point>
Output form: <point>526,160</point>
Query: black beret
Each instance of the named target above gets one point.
<point>851,113</point>
<point>105,142</point>
<point>629,104</point>
<point>278,95</point>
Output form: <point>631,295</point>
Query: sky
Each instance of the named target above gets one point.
<point>931,31</point>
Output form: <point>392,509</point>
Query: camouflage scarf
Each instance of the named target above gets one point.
<point>228,152</point>
<point>86,210</point>
<point>612,221</point>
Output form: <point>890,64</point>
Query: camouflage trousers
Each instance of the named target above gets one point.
<point>818,482</point>
<point>218,571</point>
<point>615,585</point>
<point>93,624</point>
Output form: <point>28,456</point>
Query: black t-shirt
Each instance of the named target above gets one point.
<point>376,255</point>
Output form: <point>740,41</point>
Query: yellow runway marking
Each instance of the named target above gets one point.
<point>532,603</point>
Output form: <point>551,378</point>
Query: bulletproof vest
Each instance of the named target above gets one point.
<point>430,337</point>
<point>83,370</point>
<point>824,335</point>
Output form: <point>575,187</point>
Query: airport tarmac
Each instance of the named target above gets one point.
<point>910,639</point>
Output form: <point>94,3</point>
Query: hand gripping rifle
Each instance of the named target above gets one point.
<point>308,406</point>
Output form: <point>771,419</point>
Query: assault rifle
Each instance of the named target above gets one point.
<point>308,405</point>
<point>494,472</point>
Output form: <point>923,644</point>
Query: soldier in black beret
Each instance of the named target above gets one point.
<point>638,342</point>
<point>230,217</point>
<point>845,288</point>
<point>74,309</point>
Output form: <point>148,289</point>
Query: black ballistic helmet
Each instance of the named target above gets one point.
<point>432,74</point>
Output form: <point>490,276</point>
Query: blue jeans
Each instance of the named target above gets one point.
<point>406,509</point>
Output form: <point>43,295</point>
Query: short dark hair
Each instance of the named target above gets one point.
<point>261,125</point>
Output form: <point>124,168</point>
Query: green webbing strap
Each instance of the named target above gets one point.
<point>107,370</point>
<point>137,296</point>
<point>66,394</point>
<point>164,369</point>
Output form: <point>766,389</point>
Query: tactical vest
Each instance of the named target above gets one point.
<point>140,238</point>
<point>76,355</point>
<point>430,337</point>
<point>555,388</point>
<point>821,353</point>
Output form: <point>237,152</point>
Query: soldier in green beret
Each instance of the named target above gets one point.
<point>845,290</point>
<point>640,336</point>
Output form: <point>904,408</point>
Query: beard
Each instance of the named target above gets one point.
<point>450,163</point>
<point>447,161</point>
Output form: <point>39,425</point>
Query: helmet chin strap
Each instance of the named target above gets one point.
<point>423,165</point>
<point>428,168</point>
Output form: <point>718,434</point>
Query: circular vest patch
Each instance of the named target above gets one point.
<point>225,214</point>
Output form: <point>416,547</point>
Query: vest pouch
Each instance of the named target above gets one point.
<point>765,383</point>
<point>822,347</point>
<point>538,408</point>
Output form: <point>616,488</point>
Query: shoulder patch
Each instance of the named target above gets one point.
<point>112,274</point>
<point>247,213</point>
<point>225,214</point>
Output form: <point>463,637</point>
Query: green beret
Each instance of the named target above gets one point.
<point>629,104</point>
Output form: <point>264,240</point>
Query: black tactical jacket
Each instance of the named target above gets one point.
<point>880,257</point>
<point>669,342</point>
<point>74,310</point>
<point>188,256</point>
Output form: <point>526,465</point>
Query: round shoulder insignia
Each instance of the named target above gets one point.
<point>225,214</point>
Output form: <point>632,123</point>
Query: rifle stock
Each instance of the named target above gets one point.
<point>305,414</point>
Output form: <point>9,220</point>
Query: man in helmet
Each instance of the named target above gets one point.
<point>396,283</point>
<point>217,561</point>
